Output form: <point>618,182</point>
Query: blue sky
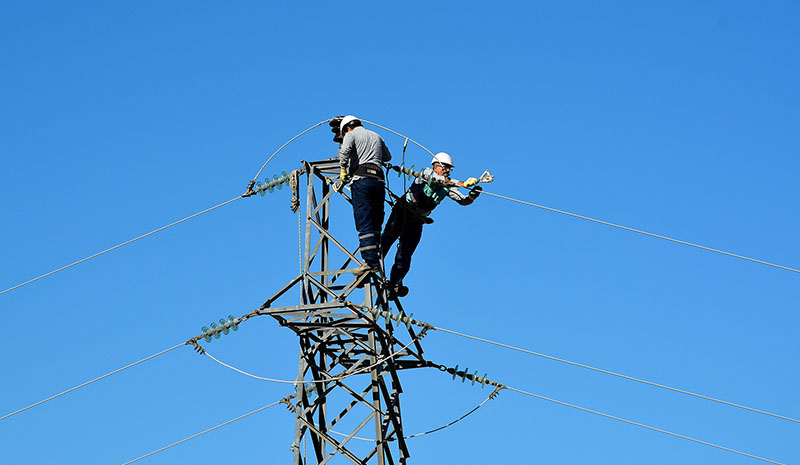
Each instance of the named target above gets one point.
<point>679,118</point>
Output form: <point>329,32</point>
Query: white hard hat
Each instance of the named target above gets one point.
<point>347,120</point>
<point>443,159</point>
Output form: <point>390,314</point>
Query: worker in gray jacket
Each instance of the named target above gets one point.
<point>361,155</point>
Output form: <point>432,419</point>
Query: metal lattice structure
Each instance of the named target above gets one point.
<point>349,356</point>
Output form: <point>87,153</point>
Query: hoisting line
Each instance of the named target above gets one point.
<point>642,232</point>
<point>120,245</point>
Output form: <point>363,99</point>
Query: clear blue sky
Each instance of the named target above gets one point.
<point>677,117</point>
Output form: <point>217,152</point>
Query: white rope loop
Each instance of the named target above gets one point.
<point>296,382</point>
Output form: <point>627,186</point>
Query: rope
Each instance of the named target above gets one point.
<point>120,245</point>
<point>287,143</point>
<point>203,432</point>
<point>630,378</point>
<point>397,133</point>
<point>90,382</point>
<point>295,382</point>
<point>643,232</point>
<point>642,425</point>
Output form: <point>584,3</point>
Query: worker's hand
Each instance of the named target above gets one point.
<point>343,175</point>
<point>470,182</point>
<point>475,192</point>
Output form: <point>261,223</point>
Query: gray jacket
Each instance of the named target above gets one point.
<point>361,146</point>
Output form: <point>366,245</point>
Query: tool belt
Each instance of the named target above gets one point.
<point>369,170</point>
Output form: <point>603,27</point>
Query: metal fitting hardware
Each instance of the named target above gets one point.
<point>293,183</point>
<point>249,190</point>
<point>486,177</point>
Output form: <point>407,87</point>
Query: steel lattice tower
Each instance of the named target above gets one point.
<point>349,356</point>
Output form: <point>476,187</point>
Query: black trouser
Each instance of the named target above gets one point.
<point>368,214</point>
<point>405,225</point>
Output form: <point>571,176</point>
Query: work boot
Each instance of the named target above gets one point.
<point>398,289</point>
<point>365,269</point>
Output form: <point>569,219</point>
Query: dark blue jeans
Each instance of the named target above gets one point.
<point>368,212</point>
<point>407,227</point>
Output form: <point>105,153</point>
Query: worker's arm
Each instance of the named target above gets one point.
<point>385,154</point>
<point>347,150</point>
<point>468,183</point>
<point>462,199</point>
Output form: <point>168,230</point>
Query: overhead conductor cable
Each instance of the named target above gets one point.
<point>630,378</point>
<point>643,425</point>
<point>643,232</point>
<point>92,381</point>
<point>164,227</point>
<point>204,432</point>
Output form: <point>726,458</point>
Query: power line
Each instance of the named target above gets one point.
<point>92,381</point>
<point>643,425</point>
<point>120,245</point>
<point>600,370</point>
<point>167,226</point>
<point>204,432</point>
<point>287,143</point>
<point>642,232</point>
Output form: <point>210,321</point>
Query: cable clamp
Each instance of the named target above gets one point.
<point>250,192</point>
<point>486,177</point>
<point>496,392</point>
<point>197,347</point>
<point>293,182</point>
<point>288,401</point>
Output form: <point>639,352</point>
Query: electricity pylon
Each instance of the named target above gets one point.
<point>349,356</point>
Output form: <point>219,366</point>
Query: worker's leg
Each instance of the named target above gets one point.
<point>368,214</point>
<point>409,239</point>
<point>394,226</point>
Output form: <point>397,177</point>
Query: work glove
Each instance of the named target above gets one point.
<point>470,182</point>
<point>475,192</point>
<point>343,175</point>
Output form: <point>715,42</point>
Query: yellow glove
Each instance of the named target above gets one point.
<point>343,175</point>
<point>470,182</point>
